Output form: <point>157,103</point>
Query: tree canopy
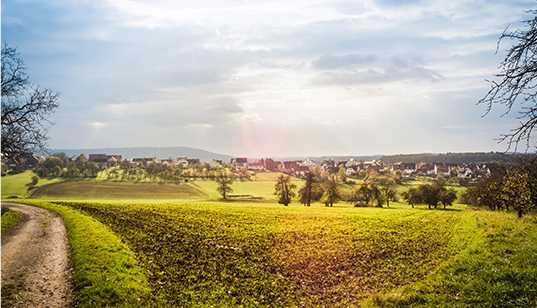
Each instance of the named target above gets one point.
<point>284,189</point>
<point>224,186</point>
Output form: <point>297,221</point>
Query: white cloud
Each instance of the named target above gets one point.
<point>284,77</point>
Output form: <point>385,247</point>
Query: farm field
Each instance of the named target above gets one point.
<point>92,189</point>
<point>226,254</point>
<point>200,251</point>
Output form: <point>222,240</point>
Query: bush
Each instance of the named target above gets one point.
<point>35,180</point>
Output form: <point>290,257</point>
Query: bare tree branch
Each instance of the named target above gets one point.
<point>518,72</point>
<point>26,108</point>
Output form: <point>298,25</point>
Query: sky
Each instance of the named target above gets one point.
<point>269,78</point>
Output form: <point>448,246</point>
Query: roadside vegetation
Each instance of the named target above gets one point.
<point>9,219</point>
<point>106,270</point>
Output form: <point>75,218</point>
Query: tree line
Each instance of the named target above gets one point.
<point>60,165</point>
<point>375,190</point>
<point>450,158</point>
<point>507,187</point>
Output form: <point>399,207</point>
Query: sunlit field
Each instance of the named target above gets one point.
<point>198,250</point>
<point>264,254</point>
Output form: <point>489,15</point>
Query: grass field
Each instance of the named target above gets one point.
<point>196,250</point>
<point>92,189</point>
<point>226,254</point>
<point>16,186</point>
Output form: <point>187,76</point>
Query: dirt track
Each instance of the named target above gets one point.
<point>36,270</point>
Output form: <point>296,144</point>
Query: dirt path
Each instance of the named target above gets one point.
<point>36,270</point>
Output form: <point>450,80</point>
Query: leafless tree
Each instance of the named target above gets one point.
<point>26,108</point>
<point>517,85</point>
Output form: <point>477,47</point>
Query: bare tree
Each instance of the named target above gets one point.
<point>517,85</point>
<point>26,108</point>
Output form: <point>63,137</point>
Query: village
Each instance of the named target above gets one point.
<point>299,168</point>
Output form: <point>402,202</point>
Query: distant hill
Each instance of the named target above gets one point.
<point>452,158</point>
<point>141,152</point>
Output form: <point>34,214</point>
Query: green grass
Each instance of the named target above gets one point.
<point>255,189</point>
<point>9,220</point>
<point>106,270</point>
<point>495,265</point>
<point>199,251</point>
<point>17,185</point>
<point>252,255</point>
<point>110,190</point>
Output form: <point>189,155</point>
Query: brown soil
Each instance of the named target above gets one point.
<point>36,269</point>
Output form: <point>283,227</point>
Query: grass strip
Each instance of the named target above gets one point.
<point>9,220</point>
<point>495,267</point>
<point>106,270</point>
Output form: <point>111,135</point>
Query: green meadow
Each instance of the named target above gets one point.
<point>181,245</point>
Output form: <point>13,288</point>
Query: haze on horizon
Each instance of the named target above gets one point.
<point>268,78</point>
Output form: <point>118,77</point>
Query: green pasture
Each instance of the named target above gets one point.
<point>17,185</point>
<point>85,189</point>
<point>182,246</point>
<point>264,254</point>
<point>257,188</point>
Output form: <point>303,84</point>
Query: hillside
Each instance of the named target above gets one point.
<point>451,158</point>
<point>165,152</point>
<point>92,189</point>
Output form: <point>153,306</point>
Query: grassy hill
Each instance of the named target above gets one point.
<point>17,185</point>
<point>261,187</point>
<point>110,190</point>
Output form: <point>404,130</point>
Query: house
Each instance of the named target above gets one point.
<point>290,166</point>
<point>182,161</point>
<point>239,162</point>
<point>328,164</point>
<point>398,167</point>
<point>112,162</point>
<point>465,172</point>
<point>409,168</point>
<point>145,161</point>
<point>104,161</point>
<point>372,165</point>
<point>352,163</point>
<point>193,161</point>
<point>426,169</point>
<point>215,163</point>
<point>308,162</point>
<point>272,165</point>
<point>257,165</point>
<point>302,171</point>
<point>350,171</point>
<point>441,168</point>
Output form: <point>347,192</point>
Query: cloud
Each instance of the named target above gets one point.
<point>398,70</point>
<point>227,105</point>
<point>330,61</point>
<point>302,76</point>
